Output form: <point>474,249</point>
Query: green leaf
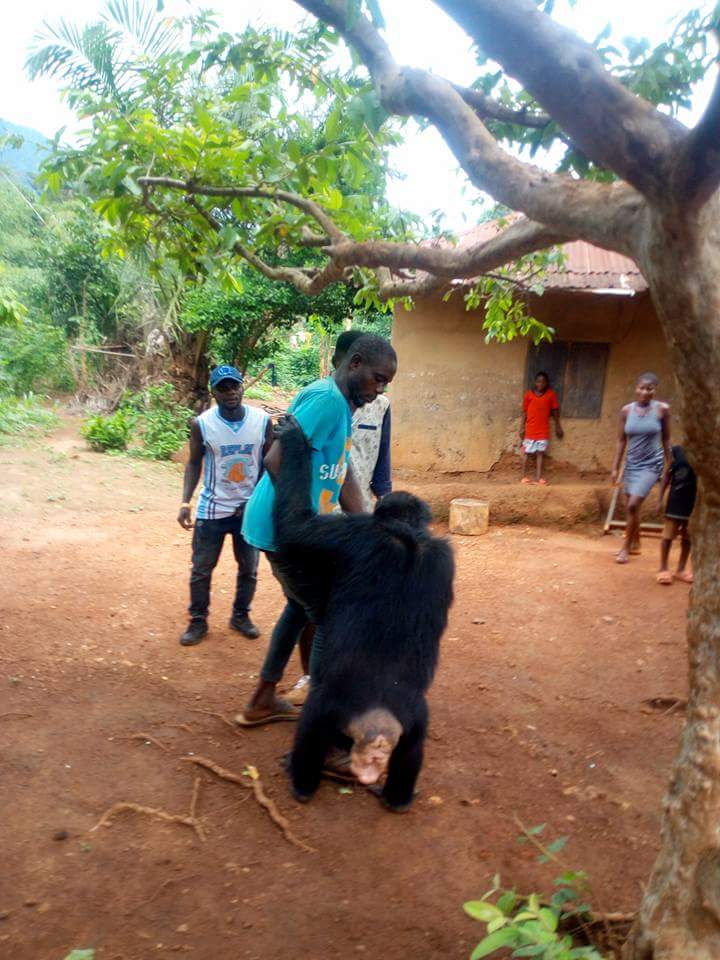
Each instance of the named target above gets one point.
<point>557,845</point>
<point>334,199</point>
<point>228,236</point>
<point>500,938</point>
<point>81,955</point>
<point>507,902</point>
<point>483,911</point>
<point>549,918</point>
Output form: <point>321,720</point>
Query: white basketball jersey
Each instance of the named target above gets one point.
<point>233,454</point>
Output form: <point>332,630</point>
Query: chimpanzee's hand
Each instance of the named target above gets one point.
<point>289,432</point>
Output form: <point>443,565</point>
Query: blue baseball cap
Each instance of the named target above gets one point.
<point>225,372</point>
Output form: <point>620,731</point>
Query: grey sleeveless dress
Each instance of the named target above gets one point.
<point>644,459</point>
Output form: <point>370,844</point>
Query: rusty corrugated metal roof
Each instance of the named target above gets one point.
<point>587,267</point>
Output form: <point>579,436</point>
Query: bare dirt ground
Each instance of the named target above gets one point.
<point>536,714</point>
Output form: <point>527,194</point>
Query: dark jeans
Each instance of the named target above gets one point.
<point>207,544</point>
<point>306,594</point>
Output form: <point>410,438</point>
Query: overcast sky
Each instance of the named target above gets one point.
<point>425,38</point>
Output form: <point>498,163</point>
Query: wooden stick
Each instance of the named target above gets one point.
<point>219,716</point>
<point>254,784</point>
<point>123,807</point>
<point>148,738</point>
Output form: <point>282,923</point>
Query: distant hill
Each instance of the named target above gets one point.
<point>25,161</point>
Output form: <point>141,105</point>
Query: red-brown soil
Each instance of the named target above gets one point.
<point>536,714</point>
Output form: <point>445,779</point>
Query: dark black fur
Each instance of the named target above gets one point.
<point>389,590</point>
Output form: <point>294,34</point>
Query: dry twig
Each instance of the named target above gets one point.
<point>148,738</point>
<point>251,781</point>
<point>219,716</point>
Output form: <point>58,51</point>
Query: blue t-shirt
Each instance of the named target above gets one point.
<point>324,414</point>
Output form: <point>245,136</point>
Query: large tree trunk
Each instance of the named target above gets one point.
<point>680,915</point>
<point>191,369</point>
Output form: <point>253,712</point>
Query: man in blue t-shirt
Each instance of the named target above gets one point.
<point>324,410</point>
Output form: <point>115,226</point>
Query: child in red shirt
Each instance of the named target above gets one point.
<point>539,405</point>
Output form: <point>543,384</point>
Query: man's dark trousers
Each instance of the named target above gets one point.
<point>207,544</point>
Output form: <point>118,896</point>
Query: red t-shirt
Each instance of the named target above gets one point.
<point>537,410</point>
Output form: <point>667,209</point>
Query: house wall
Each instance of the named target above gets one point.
<point>457,400</point>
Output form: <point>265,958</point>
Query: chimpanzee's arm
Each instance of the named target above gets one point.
<point>296,522</point>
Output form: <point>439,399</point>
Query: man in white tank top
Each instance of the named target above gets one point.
<point>229,441</point>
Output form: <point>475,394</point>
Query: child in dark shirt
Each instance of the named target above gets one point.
<point>681,500</point>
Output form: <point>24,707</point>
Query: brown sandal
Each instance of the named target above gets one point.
<point>288,712</point>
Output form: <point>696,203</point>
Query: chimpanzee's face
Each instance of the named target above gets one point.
<point>369,759</point>
<point>366,381</point>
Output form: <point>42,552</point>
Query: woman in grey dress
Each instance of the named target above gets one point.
<point>644,432</point>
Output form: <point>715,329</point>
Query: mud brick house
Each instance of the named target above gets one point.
<point>457,399</point>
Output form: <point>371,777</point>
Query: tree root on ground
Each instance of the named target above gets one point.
<point>607,932</point>
<point>188,820</point>
<point>251,781</point>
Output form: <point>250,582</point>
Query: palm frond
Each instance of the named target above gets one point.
<point>83,57</point>
<point>150,33</point>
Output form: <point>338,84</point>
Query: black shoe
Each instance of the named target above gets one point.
<point>194,633</point>
<point>245,626</point>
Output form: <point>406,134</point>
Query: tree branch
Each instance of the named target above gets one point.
<point>309,207</point>
<point>697,175</point>
<point>488,109</point>
<point>517,240</point>
<point>310,283</point>
<point>604,214</point>
<point>609,124</point>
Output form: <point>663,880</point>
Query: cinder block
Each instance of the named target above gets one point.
<point>470,518</point>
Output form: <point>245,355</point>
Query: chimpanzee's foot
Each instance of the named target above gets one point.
<point>377,790</point>
<point>299,796</point>
<point>244,625</point>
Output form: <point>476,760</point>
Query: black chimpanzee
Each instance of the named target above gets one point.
<point>389,589</point>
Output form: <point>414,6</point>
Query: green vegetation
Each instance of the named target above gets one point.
<point>105,433</point>
<point>162,424</point>
<point>24,415</point>
<point>153,418</point>
<point>529,926</point>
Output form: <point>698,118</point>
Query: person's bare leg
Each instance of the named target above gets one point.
<point>665,546</point>
<point>684,551</point>
<point>632,526</point>
<point>523,478</point>
<point>634,505</point>
<point>538,466</point>
<point>264,701</point>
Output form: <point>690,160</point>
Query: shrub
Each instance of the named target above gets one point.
<point>23,415</point>
<point>107,433</point>
<point>33,356</point>
<point>296,367</point>
<point>529,927</point>
<point>163,423</point>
